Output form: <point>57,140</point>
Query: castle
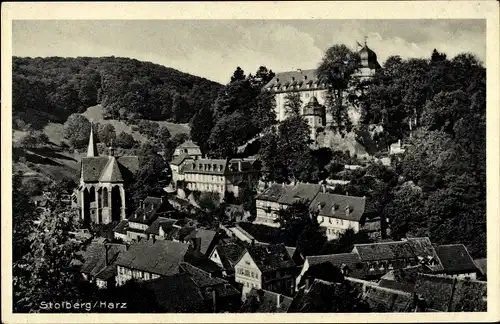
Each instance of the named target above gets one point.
<point>313,92</point>
<point>101,195</point>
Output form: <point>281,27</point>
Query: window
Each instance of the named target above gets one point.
<point>341,222</point>
<point>330,220</point>
<point>247,273</point>
<point>307,94</point>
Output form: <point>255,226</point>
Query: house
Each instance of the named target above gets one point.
<point>135,227</point>
<point>263,301</point>
<point>457,261</point>
<point>203,239</point>
<point>337,213</point>
<point>101,194</point>
<point>188,148</point>
<point>217,293</point>
<point>221,176</point>
<point>267,267</point>
<point>163,228</point>
<point>150,259</point>
<point>387,300</point>
<point>267,204</point>
<point>397,148</point>
<point>99,263</point>
<point>226,256</point>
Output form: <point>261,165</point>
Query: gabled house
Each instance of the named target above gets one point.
<point>267,204</point>
<point>457,261</point>
<point>99,263</point>
<point>267,267</point>
<point>226,255</point>
<point>203,240</point>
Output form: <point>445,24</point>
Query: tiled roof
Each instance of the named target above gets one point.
<point>270,257</point>
<point>179,159</point>
<point>111,172</point>
<point>95,256</point>
<point>295,80</point>
<point>229,254</point>
<point>481,265</point>
<point>406,275</point>
<point>469,296</point>
<point>107,273</point>
<point>207,238</point>
<point>165,223</point>
<point>201,278</point>
<point>381,299</point>
<point>455,259</point>
<point>121,227</point>
<point>339,206</point>
<point>206,166</point>
<point>419,248</point>
<point>188,144</point>
<point>201,261</point>
<point>301,191</point>
<point>391,284</point>
<point>176,294</point>
<point>263,301</point>
<point>161,257</point>
<point>93,168</point>
<point>131,163</point>
<point>149,210</point>
<point>437,291</point>
<point>335,259</point>
<point>274,192</point>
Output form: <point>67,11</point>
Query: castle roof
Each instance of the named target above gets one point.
<point>111,172</point>
<point>313,107</point>
<point>368,58</point>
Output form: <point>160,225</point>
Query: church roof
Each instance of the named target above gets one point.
<point>108,168</point>
<point>111,172</point>
<point>92,148</point>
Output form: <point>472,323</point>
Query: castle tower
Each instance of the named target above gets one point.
<point>92,148</point>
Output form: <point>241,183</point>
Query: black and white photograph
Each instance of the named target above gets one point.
<point>249,165</point>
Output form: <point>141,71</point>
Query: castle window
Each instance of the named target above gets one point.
<point>105,201</point>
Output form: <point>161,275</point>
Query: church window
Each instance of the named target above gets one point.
<point>105,201</point>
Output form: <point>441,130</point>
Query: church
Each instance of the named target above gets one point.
<point>101,195</point>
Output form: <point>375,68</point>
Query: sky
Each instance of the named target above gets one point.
<point>214,48</point>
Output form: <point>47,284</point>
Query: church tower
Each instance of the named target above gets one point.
<point>92,148</point>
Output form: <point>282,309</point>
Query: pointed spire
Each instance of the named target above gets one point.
<point>366,38</point>
<point>92,149</point>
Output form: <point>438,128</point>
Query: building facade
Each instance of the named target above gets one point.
<point>103,181</point>
<point>313,89</point>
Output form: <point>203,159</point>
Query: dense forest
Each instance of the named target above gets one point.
<point>53,88</point>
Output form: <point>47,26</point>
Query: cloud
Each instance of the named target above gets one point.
<point>214,48</point>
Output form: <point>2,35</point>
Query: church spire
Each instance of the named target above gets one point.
<point>92,149</point>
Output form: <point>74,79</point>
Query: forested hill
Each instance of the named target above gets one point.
<point>51,89</point>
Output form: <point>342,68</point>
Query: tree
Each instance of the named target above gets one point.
<point>201,127</point>
<point>22,217</point>
<point>311,240</point>
<point>163,135</point>
<point>179,138</point>
<point>125,140</point>
<point>229,132</point>
<point>336,70</point>
<point>345,242</point>
<point>238,75</point>
<point>273,169</point>
<point>293,104</point>
<point>77,130</point>
<point>107,134</point>
<point>44,273</point>
<point>34,139</point>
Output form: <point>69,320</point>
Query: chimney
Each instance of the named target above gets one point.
<point>106,249</point>
<point>323,188</point>
<point>299,70</point>
<point>154,238</point>
<point>197,244</point>
<point>278,300</point>
<point>142,204</point>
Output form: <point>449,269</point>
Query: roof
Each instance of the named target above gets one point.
<point>161,257</point>
<point>107,273</point>
<point>229,254</point>
<point>270,257</point>
<point>415,248</point>
<point>297,80</point>
<point>481,265</point>
<point>176,294</point>
<point>382,299</point>
<point>301,191</point>
<point>111,172</point>
<point>263,301</point>
<point>335,259</point>
<point>121,227</point>
<point>93,169</point>
<point>188,144</point>
<point>207,238</point>
<point>150,207</point>
<point>406,275</point>
<point>95,256</point>
<point>206,166</point>
<point>274,192</point>
<point>368,58</point>
<point>167,224</point>
<point>469,296</point>
<point>455,259</point>
<point>200,277</point>
<point>339,206</point>
<point>395,285</point>
<point>179,159</point>
<point>201,261</point>
<point>437,291</point>
<point>313,107</point>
